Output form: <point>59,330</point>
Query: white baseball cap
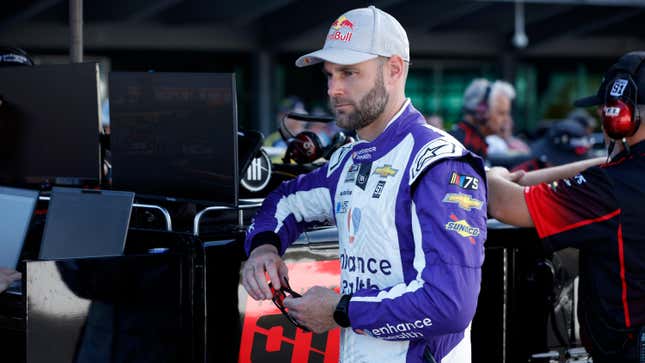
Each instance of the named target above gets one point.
<point>360,35</point>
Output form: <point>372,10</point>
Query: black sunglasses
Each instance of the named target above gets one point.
<point>278,300</point>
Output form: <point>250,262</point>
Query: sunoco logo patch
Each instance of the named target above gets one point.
<point>463,228</point>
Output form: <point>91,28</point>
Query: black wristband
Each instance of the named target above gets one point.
<point>265,238</point>
<point>341,314</point>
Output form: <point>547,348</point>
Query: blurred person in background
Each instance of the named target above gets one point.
<point>584,118</point>
<point>563,142</point>
<point>590,123</point>
<point>486,110</point>
<point>505,143</point>
<point>566,141</point>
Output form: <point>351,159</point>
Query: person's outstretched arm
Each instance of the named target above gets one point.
<point>565,171</point>
<point>506,198</point>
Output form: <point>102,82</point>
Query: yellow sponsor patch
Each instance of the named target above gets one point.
<point>463,228</point>
<point>385,171</point>
<point>464,201</point>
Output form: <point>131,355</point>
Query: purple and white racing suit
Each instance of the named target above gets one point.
<point>410,208</point>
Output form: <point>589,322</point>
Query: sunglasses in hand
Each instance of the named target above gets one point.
<point>278,300</point>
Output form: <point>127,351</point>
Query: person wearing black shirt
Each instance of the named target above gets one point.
<point>599,211</point>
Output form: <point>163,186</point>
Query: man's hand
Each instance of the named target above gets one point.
<point>503,173</point>
<point>7,276</point>
<point>263,259</point>
<point>315,309</point>
<point>506,198</point>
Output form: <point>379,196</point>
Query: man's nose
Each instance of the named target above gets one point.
<point>334,88</point>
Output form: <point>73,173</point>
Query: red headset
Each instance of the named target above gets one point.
<point>306,147</point>
<point>620,117</point>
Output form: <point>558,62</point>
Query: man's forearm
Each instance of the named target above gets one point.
<point>506,200</point>
<point>558,172</point>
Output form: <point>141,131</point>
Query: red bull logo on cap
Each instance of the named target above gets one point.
<point>342,22</point>
<point>338,26</point>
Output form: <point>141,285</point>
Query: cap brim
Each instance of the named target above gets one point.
<point>594,100</point>
<point>334,55</point>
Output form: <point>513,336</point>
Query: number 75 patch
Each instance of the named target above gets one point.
<point>464,181</point>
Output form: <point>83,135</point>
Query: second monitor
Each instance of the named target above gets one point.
<point>175,135</point>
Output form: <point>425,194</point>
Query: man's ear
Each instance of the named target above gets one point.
<point>395,68</point>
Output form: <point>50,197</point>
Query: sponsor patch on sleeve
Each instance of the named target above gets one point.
<point>464,201</point>
<point>432,152</point>
<point>464,181</point>
<point>462,228</point>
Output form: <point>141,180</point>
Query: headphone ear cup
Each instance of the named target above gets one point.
<point>618,119</point>
<point>304,148</point>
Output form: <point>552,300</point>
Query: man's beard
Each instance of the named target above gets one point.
<point>368,109</point>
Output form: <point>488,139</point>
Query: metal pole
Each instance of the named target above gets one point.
<point>262,88</point>
<point>76,31</point>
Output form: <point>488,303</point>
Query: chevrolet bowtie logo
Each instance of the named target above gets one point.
<point>385,171</point>
<point>464,201</point>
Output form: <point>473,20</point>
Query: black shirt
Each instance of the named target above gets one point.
<point>602,213</point>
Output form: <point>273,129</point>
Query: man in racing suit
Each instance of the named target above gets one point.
<point>600,212</point>
<point>409,203</point>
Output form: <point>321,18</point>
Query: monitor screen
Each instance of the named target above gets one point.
<point>175,135</point>
<point>49,125</point>
<point>16,209</point>
<point>83,223</point>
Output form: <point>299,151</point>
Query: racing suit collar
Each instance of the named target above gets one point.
<point>396,129</point>
<point>396,115</point>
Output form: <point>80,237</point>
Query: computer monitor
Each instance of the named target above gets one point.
<point>175,135</point>
<point>85,223</point>
<point>49,125</point>
<point>16,209</point>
